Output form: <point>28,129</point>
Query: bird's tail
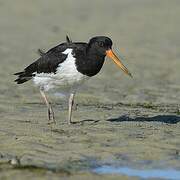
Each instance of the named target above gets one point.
<point>22,77</point>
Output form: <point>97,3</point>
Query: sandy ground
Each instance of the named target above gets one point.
<point>119,121</point>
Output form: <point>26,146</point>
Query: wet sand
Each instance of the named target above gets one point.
<point>119,121</point>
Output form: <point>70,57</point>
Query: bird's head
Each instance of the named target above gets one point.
<point>102,45</point>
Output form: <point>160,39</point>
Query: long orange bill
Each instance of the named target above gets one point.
<point>111,55</point>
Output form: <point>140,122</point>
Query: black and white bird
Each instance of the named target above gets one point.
<point>67,66</point>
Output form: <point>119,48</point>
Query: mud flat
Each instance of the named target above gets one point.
<point>123,128</point>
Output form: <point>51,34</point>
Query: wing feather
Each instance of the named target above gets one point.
<point>47,63</point>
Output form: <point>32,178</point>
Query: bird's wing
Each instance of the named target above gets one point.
<point>68,39</point>
<point>49,61</point>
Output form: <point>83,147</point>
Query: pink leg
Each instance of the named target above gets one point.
<point>50,111</point>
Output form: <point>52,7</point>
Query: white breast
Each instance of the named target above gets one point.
<point>66,75</point>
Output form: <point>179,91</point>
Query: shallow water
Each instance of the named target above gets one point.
<point>119,121</point>
<point>170,174</point>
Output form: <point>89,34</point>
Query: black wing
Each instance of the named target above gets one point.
<point>47,63</point>
<point>68,39</point>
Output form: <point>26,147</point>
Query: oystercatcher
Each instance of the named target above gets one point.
<point>68,65</point>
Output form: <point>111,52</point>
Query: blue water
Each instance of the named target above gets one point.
<point>170,174</point>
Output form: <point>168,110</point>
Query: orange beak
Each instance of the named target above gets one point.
<point>110,54</point>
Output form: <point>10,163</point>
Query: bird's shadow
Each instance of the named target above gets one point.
<point>170,119</point>
<point>88,121</point>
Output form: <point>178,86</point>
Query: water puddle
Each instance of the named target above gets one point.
<point>170,174</point>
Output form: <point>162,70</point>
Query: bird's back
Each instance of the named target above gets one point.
<point>49,61</point>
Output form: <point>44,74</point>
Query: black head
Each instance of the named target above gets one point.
<point>100,44</point>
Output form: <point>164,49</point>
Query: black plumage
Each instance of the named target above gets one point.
<point>68,39</point>
<point>89,58</point>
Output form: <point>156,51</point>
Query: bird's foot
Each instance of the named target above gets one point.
<point>69,122</point>
<point>51,118</point>
<point>50,122</point>
<point>75,106</point>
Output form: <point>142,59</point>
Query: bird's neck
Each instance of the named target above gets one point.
<point>91,63</point>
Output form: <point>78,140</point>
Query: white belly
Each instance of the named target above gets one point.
<point>66,75</point>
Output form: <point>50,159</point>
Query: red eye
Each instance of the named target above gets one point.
<point>101,44</point>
